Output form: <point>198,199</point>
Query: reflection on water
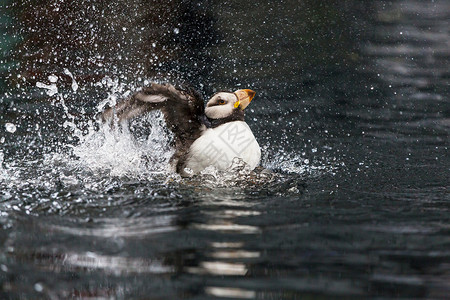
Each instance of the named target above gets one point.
<point>227,226</point>
<point>230,293</point>
<point>89,261</point>
<point>220,268</point>
<point>352,198</point>
<point>109,228</point>
<point>221,257</point>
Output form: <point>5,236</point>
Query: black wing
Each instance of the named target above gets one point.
<point>182,109</point>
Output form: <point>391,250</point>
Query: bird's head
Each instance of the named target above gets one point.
<point>225,104</point>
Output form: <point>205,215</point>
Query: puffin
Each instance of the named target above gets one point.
<point>212,135</point>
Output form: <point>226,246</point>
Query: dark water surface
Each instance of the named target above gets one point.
<point>352,113</point>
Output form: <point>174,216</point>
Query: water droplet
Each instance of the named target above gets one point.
<point>53,78</point>
<point>74,83</point>
<point>10,127</point>
<point>38,287</point>
<point>51,89</point>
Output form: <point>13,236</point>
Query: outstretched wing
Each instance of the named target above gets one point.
<point>182,109</point>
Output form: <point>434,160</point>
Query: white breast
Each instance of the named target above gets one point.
<point>219,146</point>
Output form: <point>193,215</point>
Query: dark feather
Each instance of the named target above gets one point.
<point>183,111</point>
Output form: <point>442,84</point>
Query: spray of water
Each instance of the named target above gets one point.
<point>98,156</point>
<point>117,152</point>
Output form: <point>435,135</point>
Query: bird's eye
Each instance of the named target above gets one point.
<point>221,101</point>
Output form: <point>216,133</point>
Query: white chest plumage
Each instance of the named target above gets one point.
<point>219,146</point>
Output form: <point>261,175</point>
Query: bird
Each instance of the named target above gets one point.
<point>212,135</point>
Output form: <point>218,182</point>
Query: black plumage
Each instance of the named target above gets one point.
<point>183,111</point>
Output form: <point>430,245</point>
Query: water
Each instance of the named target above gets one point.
<point>351,112</point>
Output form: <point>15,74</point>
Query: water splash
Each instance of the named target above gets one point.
<point>281,160</point>
<point>51,89</point>
<point>2,171</point>
<point>117,152</point>
<point>96,157</point>
<point>74,83</point>
<point>10,127</point>
<point>138,150</point>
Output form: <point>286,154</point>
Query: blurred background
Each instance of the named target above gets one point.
<point>352,113</point>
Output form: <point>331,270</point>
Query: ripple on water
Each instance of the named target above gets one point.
<point>97,163</point>
<point>102,202</point>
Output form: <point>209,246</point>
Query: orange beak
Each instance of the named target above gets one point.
<point>244,98</point>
